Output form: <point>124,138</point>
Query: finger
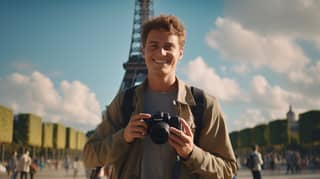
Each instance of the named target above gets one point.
<point>180,134</point>
<point>139,123</point>
<point>176,131</point>
<point>137,135</point>
<point>140,130</point>
<point>186,127</point>
<point>140,116</point>
<point>173,144</point>
<point>175,139</point>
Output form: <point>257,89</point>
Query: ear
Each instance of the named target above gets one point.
<point>181,53</point>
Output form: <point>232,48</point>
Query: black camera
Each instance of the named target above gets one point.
<point>158,126</point>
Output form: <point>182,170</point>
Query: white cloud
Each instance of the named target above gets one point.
<point>269,102</point>
<point>295,18</point>
<point>205,77</point>
<point>315,71</point>
<point>73,104</point>
<point>249,118</point>
<point>248,48</point>
<point>241,69</point>
<point>272,97</point>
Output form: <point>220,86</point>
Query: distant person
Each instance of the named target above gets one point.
<point>254,162</point>
<point>33,168</point>
<point>12,165</point>
<point>66,164</point>
<point>75,166</point>
<point>25,162</point>
<point>291,161</point>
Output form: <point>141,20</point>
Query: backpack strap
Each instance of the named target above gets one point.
<point>197,111</point>
<point>127,103</point>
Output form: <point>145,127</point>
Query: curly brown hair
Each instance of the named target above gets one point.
<point>168,23</point>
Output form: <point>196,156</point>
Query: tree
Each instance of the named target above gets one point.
<point>278,132</point>
<point>309,126</point>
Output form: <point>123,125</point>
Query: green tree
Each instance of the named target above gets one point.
<point>309,126</point>
<point>261,135</point>
<point>234,137</point>
<point>246,137</point>
<point>278,132</point>
<point>6,125</point>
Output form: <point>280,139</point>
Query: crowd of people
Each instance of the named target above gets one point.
<point>286,162</point>
<point>23,166</point>
<point>292,161</point>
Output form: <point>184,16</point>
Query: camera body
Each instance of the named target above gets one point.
<point>159,124</point>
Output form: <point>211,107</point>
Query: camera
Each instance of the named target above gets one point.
<point>159,124</point>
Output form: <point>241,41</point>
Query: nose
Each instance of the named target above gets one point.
<point>163,51</point>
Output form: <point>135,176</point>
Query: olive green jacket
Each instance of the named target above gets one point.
<point>213,158</point>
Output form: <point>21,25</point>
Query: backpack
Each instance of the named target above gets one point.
<point>197,110</point>
<point>250,161</point>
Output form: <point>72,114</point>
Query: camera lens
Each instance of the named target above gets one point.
<point>159,133</point>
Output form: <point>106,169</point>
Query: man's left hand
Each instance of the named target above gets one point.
<point>182,140</point>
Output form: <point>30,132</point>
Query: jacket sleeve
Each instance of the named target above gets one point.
<point>214,157</point>
<point>107,143</point>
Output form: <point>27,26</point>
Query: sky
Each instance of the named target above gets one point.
<point>62,59</point>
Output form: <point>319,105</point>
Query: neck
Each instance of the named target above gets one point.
<point>162,84</point>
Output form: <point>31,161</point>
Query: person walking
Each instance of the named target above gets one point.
<point>255,160</point>
<point>75,166</point>
<point>66,164</point>
<point>25,162</point>
<point>13,165</point>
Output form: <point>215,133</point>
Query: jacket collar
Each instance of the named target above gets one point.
<point>184,95</point>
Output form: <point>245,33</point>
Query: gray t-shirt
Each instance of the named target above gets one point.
<point>158,159</point>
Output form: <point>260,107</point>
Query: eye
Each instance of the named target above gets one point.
<point>152,46</point>
<point>168,47</point>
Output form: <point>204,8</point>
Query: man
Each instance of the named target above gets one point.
<point>127,146</point>
<point>25,162</point>
<point>257,162</point>
<point>12,165</point>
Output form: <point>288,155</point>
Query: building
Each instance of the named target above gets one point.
<point>293,125</point>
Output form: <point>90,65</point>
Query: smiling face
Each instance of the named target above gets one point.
<point>162,53</point>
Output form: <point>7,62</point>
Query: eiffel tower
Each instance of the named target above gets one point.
<point>135,68</point>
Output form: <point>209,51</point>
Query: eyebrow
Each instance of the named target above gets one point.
<point>153,41</point>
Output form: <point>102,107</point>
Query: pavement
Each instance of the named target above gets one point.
<point>50,173</point>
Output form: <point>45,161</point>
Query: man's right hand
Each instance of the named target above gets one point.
<point>136,127</point>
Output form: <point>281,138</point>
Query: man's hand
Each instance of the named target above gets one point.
<point>182,140</point>
<point>136,127</point>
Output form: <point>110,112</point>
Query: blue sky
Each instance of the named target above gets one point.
<point>63,59</point>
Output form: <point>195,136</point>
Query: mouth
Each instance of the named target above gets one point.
<point>165,61</point>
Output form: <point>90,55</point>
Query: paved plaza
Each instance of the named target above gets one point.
<point>243,174</point>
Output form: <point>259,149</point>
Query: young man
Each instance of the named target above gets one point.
<point>25,162</point>
<point>128,147</point>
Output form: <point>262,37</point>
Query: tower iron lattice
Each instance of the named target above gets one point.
<point>135,67</point>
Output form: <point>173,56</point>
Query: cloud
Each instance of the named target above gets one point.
<point>269,102</point>
<point>249,118</point>
<point>73,104</point>
<point>249,49</point>
<point>295,18</point>
<point>201,75</point>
